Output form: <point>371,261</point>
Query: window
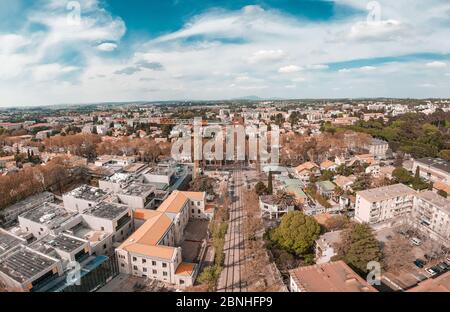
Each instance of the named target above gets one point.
<point>181,282</point>
<point>134,259</point>
<point>102,228</point>
<point>193,210</point>
<point>144,269</point>
<point>153,262</point>
<point>164,265</point>
<point>144,261</point>
<point>198,203</point>
<point>122,265</point>
<point>155,272</point>
<point>104,246</point>
<point>135,267</point>
<point>164,273</point>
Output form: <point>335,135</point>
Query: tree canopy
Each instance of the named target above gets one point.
<point>296,233</point>
<point>358,247</point>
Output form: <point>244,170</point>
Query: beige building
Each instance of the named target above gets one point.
<point>431,215</point>
<point>383,203</point>
<point>152,250</point>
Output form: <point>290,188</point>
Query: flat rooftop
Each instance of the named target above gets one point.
<point>435,199</point>
<point>138,189</point>
<point>66,243</point>
<point>24,264</point>
<point>329,277</point>
<point>32,201</point>
<point>386,192</point>
<point>437,163</point>
<point>159,170</point>
<point>8,241</point>
<point>108,211</point>
<point>49,214</point>
<point>88,193</point>
<point>120,177</point>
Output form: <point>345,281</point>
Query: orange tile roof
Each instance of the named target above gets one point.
<point>185,269</point>
<point>176,201</point>
<point>151,232</point>
<point>329,277</point>
<point>306,166</point>
<point>327,164</point>
<point>145,239</point>
<point>145,214</point>
<point>162,252</point>
<point>442,187</point>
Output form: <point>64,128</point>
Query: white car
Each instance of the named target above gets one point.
<point>431,272</point>
<point>415,241</point>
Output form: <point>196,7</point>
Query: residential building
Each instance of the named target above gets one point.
<point>378,148</point>
<point>433,169</point>
<point>272,207</point>
<point>431,215</point>
<point>383,203</point>
<point>326,189</point>
<point>304,171</point>
<point>327,277</point>
<point>325,246</point>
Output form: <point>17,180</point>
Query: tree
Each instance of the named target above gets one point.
<point>296,233</point>
<point>261,189</point>
<point>358,247</point>
<point>397,254</point>
<point>442,193</point>
<point>401,175</point>
<point>445,154</point>
<point>337,223</point>
<point>270,184</point>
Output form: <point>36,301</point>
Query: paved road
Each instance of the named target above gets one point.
<point>231,279</point>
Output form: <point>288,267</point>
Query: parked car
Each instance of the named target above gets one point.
<point>431,272</point>
<point>448,260</point>
<point>420,263</point>
<point>415,241</point>
<point>444,266</point>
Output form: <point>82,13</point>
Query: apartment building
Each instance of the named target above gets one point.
<point>433,169</point>
<point>383,204</point>
<point>152,250</point>
<point>327,277</point>
<point>431,215</point>
<point>378,148</point>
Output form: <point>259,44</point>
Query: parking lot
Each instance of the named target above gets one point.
<point>425,254</point>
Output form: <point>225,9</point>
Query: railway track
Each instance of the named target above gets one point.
<point>232,275</point>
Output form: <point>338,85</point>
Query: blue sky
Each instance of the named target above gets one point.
<point>115,50</point>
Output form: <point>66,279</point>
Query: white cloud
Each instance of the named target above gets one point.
<point>107,47</point>
<point>266,56</point>
<point>436,64</point>
<point>358,69</point>
<point>317,66</point>
<point>290,69</point>
<point>381,30</point>
<point>51,71</point>
<point>261,42</point>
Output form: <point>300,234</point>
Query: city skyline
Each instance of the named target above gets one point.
<point>190,50</point>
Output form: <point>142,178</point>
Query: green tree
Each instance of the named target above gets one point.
<point>442,193</point>
<point>358,247</point>
<point>270,184</point>
<point>445,154</point>
<point>261,189</point>
<point>401,175</point>
<point>296,233</point>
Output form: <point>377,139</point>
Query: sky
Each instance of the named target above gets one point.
<point>91,51</point>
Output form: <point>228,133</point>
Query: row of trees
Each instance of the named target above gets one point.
<point>30,181</point>
<point>91,146</point>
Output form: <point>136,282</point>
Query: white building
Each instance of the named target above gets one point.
<point>431,215</point>
<point>384,203</point>
<point>153,249</point>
